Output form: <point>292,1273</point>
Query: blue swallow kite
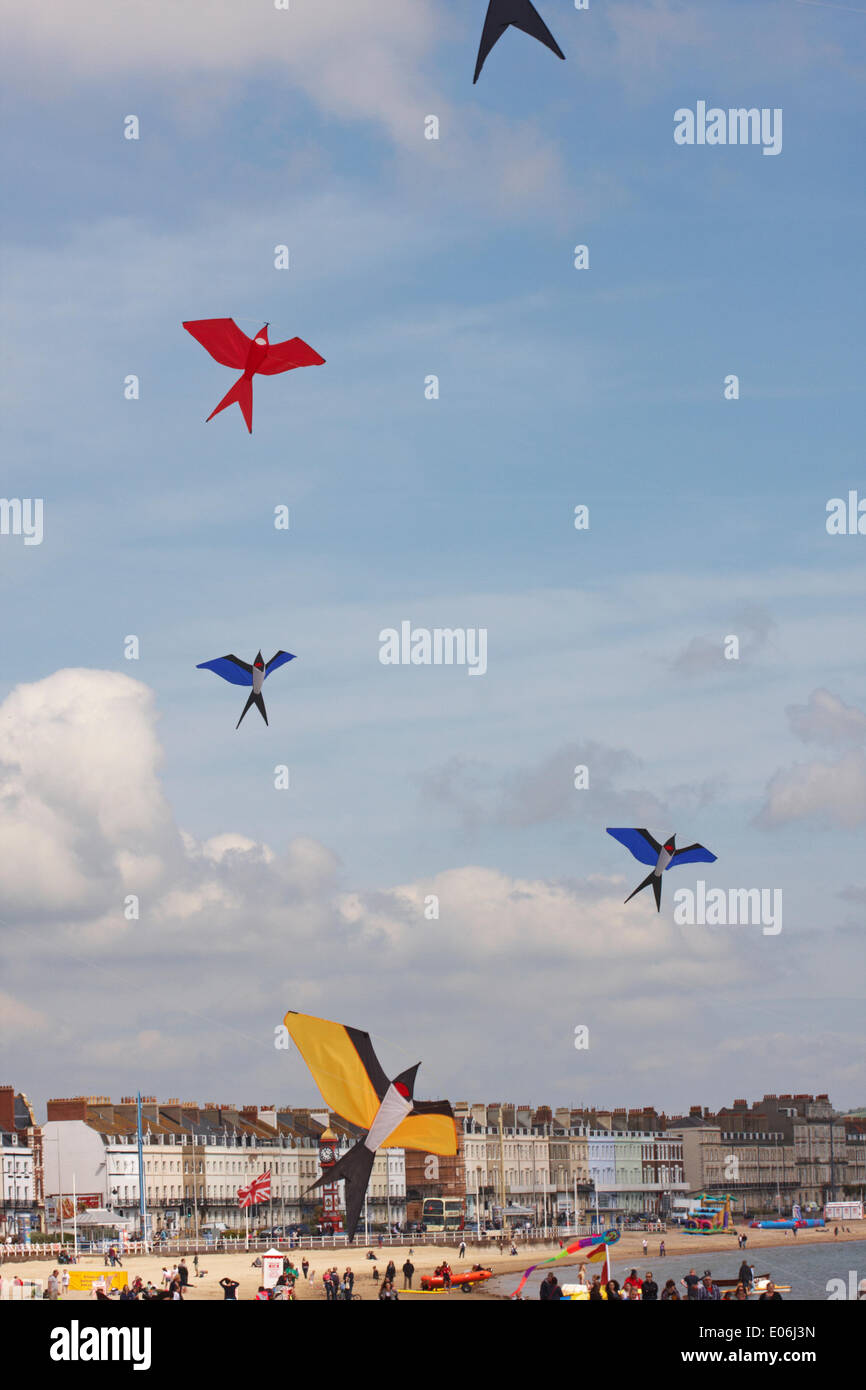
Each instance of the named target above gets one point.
<point>523,15</point>
<point>648,851</point>
<point>238,672</point>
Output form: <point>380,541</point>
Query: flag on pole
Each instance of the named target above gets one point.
<point>259,1190</point>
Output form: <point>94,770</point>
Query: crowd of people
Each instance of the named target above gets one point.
<point>636,1290</point>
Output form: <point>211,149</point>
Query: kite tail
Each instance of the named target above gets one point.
<point>354,1168</point>
<point>654,879</point>
<point>259,703</point>
<point>609,1238</point>
<point>242,392</point>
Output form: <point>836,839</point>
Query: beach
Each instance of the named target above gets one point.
<point>683,1252</point>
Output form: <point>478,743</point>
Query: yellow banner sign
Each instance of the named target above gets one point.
<point>85,1279</point>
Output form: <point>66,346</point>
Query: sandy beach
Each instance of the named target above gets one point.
<point>683,1251</point>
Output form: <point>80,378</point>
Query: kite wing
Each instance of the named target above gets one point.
<point>692,854</point>
<point>231,668</point>
<point>223,340</point>
<point>343,1064</point>
<point>294,352</point>
<point>278,659</point>
<point>520,13</point>
<point>429,1127</point>
<point>640,843</point>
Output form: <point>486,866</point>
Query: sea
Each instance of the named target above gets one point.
<point>809,1269</point>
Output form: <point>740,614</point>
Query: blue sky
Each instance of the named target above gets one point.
<point>558,387</point>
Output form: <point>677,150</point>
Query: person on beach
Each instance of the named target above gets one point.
<point>744,1274</point>
<point>550,1288</point>
<point>669,1292</point>
<point>462,1251</point>
<point>595,1289</point>
<point>305,1266</point>
<point>391,1272</point>
<point>691,1282</point>
<point>661,1250</point>
<point>64,1282</point>
<point>633,1282</point>
<point>387,1293</point>
<point>53,1285</point>
<point>408,1271</point>
<point>707,1289</point>
<point>645,1245</point>
<point>611,1288</point>
<point>771,1294</point>
<point>634,1294</point>
<point>230,1289</point>
<point>650,1290</point>
<point>740,1293</point>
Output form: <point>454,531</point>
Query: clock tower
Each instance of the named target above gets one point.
<point>330,1191</point>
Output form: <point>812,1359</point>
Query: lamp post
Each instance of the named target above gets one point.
<point>60,1186</point>
<point>142,1203</point>
<point>195,1189</point>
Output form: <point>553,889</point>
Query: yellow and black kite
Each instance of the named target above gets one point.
<point>350,1077</point>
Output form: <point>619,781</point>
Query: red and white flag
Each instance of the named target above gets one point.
<point>259,1190</point>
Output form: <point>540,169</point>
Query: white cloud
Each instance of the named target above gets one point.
<point>365,61</point>
<point>233,932</point>
<point>827,719</point>
<point>357,60</point>
<point>80,800</point>
<point>828,793</point>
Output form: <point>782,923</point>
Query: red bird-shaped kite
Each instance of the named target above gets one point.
<point>231,348</point>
